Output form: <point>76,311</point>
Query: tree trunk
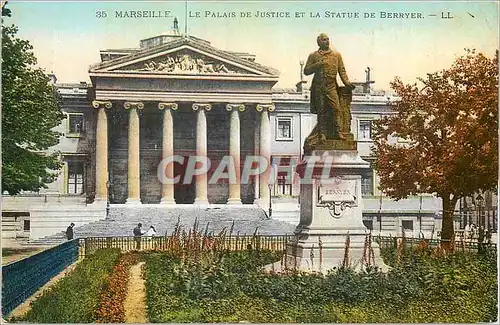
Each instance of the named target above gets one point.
<point>447,229</point>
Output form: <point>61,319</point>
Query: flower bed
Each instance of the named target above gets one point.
<point>423,287</point>
<point>111,301</point>
<point>75,297</point>
<point>216,285</point>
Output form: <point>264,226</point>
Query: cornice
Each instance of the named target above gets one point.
<point>178,43</point>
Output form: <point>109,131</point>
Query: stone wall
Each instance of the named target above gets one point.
<point>49,214</point>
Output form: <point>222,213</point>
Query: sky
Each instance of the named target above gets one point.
<point>67,36</point>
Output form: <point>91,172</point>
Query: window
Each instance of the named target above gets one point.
<point>75,177</point>
<point>368,224</point>
<point>367,184</point>
<point>26,225</point>
<point>407,224</point>
<point>365,130</point>
<point>283,187</point>
<point>284,169</point>
<point>75,124</point>
<point>283,128</point>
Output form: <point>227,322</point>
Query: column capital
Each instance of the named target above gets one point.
<point>239,107</point>
<point>171,106</point>
<point>101,103</point>
<point>262,107</point>
<point>129,105</point>
<point>198,106</point>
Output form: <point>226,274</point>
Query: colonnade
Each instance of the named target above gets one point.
<point>201,181</point>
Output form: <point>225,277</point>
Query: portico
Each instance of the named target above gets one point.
<point>185,98</point>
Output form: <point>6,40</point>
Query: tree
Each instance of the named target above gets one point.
<point>30,110</point>
<point>450,123</point>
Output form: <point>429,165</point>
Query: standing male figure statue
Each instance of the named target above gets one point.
<point>328,101</point>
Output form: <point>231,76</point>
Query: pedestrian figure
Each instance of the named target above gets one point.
<point>149,236</point>
<point>151,232</point>
<point>137,236</point>
<point>473,230</point>
<point>69,231</point>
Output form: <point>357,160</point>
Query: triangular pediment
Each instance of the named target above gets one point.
<point>184,57</point>
<point>185,61</point>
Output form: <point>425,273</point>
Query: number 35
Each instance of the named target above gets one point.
<point>101,14</point>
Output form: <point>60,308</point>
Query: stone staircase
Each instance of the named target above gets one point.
<point>122,219</point>
<point>286,209</point>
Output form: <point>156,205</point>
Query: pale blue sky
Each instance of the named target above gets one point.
<point>67,36</point>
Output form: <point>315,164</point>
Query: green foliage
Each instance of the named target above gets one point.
<point>232,288</point>
<point>174,286</point>
<point>75,297</point>
<point>30,110</point>
<point>422,286</point>
<point>111,307</point>
<point>5,11</point>
<point>450,122</point>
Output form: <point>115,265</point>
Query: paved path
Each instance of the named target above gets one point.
<point>135,303</point>
<point>16,249</point>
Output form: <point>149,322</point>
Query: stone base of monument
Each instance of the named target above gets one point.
<point>331,232</point>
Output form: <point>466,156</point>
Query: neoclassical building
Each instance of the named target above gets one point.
<point>177,95</point>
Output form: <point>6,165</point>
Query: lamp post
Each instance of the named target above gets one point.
<point>272,179</point>
<point>270,201</point>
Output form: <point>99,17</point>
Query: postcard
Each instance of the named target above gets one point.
<point>234,161</point>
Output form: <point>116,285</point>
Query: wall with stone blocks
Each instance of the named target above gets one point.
<point>50,221</point>
<point>52,214</point>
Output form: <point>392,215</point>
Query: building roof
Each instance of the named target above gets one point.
<point>179,41</point>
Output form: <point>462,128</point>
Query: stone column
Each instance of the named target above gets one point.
<point>234,152</point>
<point>201,151</point>
<point>134,170</point>
<point>167,190</point>
<point>101,151</point>
<point>256,150</point>
<point>265,149</point>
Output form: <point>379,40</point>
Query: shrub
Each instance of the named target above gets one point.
<point>76,296</point>
<point>229,287</point>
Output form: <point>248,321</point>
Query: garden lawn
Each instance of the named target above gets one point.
<point>220,286</point>
<point>230,287</point>
<point>75,298</point>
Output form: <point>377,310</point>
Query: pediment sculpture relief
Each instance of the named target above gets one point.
<point>186,63</point>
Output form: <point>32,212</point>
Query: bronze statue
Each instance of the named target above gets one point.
<point>329,101</point>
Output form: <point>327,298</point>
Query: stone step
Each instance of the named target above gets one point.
<point>121,221</point>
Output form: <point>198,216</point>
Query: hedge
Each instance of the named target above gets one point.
<point>75,297</point>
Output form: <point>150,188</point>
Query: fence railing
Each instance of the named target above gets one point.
<point>21,279</point>
<point>471,235</point>
<point>460,245</point>
<point>238,243</point>
<point>165,243</point>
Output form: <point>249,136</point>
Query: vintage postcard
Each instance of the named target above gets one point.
<point>249,161</point>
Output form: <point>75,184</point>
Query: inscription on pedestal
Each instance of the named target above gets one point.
<point>337,196</point>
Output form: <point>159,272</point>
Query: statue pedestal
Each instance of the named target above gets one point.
<point>330,216</point>
<point>314,144</point>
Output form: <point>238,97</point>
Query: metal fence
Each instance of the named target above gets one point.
<point>460,245</point>
<point>23,278</point>
<point>166,243</point>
